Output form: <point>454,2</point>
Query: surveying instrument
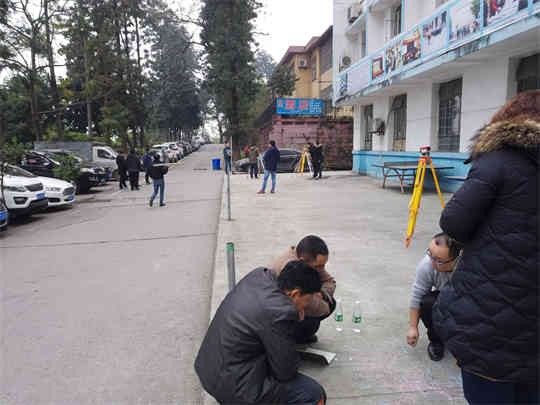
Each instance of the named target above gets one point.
<point>303,160</point>
<point>414,205</point>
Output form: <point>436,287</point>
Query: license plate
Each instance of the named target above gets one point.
<point>70,198</point>
<point>3,215</point>
<point>40,196</point>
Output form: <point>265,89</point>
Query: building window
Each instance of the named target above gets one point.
<point>314,67</point>
<point>399,114</point>
<point>528,73</point>
<point>450,115</point>
<point>368,122</point>
<point>326,56</point>
<point>396,21</point>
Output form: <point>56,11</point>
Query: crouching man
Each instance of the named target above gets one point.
<point>313,251</point>
<point>248,355</point>
<point>432,273</point>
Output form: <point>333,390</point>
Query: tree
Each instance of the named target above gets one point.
<point>282,82</point>
<point>264,64</point>
<point>227,36</point>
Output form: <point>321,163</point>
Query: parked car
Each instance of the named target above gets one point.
<point>171,155</point>
<point>58,192</point>
<point>22,191</point>
<point>159,152</point>
<point>104,174</point>
<point>44,163</point>
<point>178,154</point>
<point>288,161</point>
<point>4,216</point>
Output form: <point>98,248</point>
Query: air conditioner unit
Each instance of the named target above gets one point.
<point>345,62</point>
<point>354,11</point>
<point>378,127</point>
<point>302,63</point>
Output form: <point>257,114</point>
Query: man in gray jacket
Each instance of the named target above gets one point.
<point>432,273</point>
<point>248,355</point>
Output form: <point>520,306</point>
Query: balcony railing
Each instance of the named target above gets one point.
<point>460,22</point>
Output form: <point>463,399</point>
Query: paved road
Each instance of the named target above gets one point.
<point>107,302</point>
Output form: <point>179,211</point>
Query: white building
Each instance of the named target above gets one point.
<point>433,71</point>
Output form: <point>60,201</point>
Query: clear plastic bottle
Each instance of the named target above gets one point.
<point>338,315</point>
<point>357,316</point>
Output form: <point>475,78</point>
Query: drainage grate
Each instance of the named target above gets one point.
<point>90,200</point>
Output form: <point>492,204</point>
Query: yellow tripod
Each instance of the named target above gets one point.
<point>303,160</point>
<point>414,205</point>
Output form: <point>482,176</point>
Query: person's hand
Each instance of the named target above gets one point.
<point>301,315</point>
<point>412,336</point>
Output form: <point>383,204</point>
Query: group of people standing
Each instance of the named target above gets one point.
<point>130,166</point>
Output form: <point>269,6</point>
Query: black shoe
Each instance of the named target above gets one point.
<point>162,204</point>
<point>435,351</point>
<point>307,340</point>
<point>151,202</point>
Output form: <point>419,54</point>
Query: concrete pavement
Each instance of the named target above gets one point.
<point>364,227</point>
<point>106,303</point>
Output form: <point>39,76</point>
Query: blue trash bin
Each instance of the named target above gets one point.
<point>216,164</point>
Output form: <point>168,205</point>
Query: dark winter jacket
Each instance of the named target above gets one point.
<point>488,313</point>
<point>249,348</point>
<point>316,153</point>
<point>121,163</point>
<point>156,172</point>
<point>133,163</point>
<point>147,161</point>
<point>271,159</point>
<point>227,153</point>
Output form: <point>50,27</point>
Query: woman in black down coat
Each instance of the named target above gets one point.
<point>488,313</point>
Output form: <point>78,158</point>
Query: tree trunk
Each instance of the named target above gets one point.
<point>88,99</point>
<point>33,94</point>
<point>52,74</point>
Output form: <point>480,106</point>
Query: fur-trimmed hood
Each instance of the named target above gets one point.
<point>523,134</point>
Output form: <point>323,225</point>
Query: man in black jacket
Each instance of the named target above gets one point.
<point>133,164</point>
<point>122,169</point>
<point>248,355</point>
<point>156,173</point>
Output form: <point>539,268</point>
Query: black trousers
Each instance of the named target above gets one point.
<point>134,180</point>
<point>317,169</point>
<point>310,325</point>
<point>253,170</point>
<point>302,390</point>
<point>478,390</point>
<point>146,176</point>
<point>426,314</point>
<point>123,177</point>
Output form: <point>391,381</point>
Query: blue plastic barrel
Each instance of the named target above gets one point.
<point>216,164</point>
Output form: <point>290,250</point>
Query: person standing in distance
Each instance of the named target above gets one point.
<point>253,157</point>
<point>147,162</point>
<point>134,167</point>
<point>156,172</point>
<point>271,160</point>
<point>122,169</point>
<point>227,156</point>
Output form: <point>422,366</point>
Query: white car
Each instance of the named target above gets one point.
<point>58,192</point>
<point>171,154</point>
<point>22,192</point>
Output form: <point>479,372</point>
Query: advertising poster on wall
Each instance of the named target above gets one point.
<point>435,34</point>
<point>411,47</point>
<point>536,4</point>
<point>359,78</point>
<point>498,10</point>
<point>377,67</point>
<point>392,61</point>
<point>465,19</point>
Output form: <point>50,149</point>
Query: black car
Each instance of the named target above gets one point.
<point>103,174</point>
<point>288,161</point>
<point>43,164</point>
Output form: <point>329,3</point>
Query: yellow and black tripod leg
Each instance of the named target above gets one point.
<point>414,205</point>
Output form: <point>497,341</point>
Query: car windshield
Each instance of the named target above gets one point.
<point>17,171</point>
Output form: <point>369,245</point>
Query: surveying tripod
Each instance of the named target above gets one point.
<point>414,205</point>
<point>303,160</point>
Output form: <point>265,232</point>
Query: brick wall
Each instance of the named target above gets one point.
<point>336,136</point>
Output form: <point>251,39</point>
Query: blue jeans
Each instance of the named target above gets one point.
<point>159,185</point>
<point>227,165</point>
<point>267,173</point>
<point>478,390</point>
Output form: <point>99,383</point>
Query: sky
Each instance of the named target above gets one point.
<point>291,22</point>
